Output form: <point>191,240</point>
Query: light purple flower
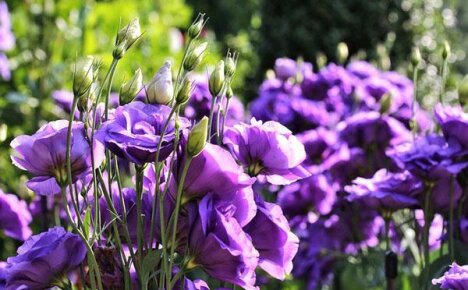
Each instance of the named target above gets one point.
<point>268,149</point>
<point>135,130</point>
<point>14,217</point>
<point>218,244</point>
<point>43,259</point>
<point>456,278</point>
<point>362,69</point>
<point>386,190</point>
<point>7,39</point>
<point>285,68</point>
<point>454,123</point>
<point>273,239</point>
<point>43,155</point>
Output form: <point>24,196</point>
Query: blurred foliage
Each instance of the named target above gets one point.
<point>50,35</point>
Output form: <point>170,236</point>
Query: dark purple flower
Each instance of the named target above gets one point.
<point>313,194</point>
<point>43,155</point>
<point>135,130</point>
<point>43,259</point>
<point>366,129</point>
<point>434,160</point>
<point>454,123</point>
<point>456,278</point>
<point>2,275</point>
<point>318,144</point>
<point>362,69</point>
<point>268,149</point>
<point>14,217</point>
<point>386,190</point>
<point>218,244</point>
<point>273,239</point>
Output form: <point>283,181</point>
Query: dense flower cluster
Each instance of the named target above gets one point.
<point>355,123</point>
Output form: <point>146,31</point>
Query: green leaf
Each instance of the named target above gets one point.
<point>150,261</point>
<point>87,222</point>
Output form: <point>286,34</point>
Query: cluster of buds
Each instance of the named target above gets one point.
<point>222,75</point>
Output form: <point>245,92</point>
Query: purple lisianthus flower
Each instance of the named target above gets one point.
<point>318,144</point>
<point>64,99</point>
<point>135,130</point>
<point>43,155</point>
<point>365,129</point>
<point>386,190</point>
<point>432,159</point>
<point>315,193</point>
<point>273,239</point>
<point>14,217</point>
<point>454,123</point>
<point>456,278</point>
<point>268,149</point>
<point>7,39</point>
<point>214,170</point>
<point>332,80</point>
<point>362,69</point>
<point>218,244</point>
<point>285,68</point>
<point>43,259</point>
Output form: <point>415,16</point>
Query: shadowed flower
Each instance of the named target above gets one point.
<point>456,278</point>
<point>14,217</point>
<point>44,259</point>
<point>386,190</point>
<point>43,155</point>
<point>136,129</point>
<point>454,123</point>
<point>268,149</point>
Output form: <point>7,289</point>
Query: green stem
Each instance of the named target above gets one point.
<point>444,80</point>
<point>451,223</point>
<point>210,120</point>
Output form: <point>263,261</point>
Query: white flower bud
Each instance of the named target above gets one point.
<point>161,89</point>
<point>84,76</point>
<point>129,34</point>
<point>194,56</point>
<point>342,52</point>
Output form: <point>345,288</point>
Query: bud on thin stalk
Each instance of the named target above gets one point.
<point>129,34</point>
<point>197,26</point>
<point>230,66</point>
<point>84,76</point>
<point>415,57</point>
<point>217,79</point>
<point>130,89</point>
<point>342,52</point>
<point>194,56</point>
<point>446,51</point>
<point>184,93</point>
<point>160,90</point>
<point>197,138</point>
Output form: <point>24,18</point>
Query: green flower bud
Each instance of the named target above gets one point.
<point>321,60</point>
<point>130,89</point>
<point>217,79</point>
<point>84,76</point>
<point>184,92</point>
<point>197,26</point>
<point>194,56</point>
<point>229,93</point>
<point>342,52</point>
<point>385,103</point>
<point>160,90</point>
<point>197,138</point>
<point>129,34</point>
<point>463,92</point>
<point>119,50</point>
<point>446,50</point>
<point>415,57</point>
<point>229,67</point>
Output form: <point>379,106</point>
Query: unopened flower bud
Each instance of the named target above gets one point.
<point>160,90</point>
<point>184,93</point>
<point>321,60</point>
<point>129,34</point>
<point>82,104</point>
<point>446,51</point>
<point>197,137</point>
<point>130,89</point>
<point>194,56</point>
<point>84,76</point>
<point>119,50</point>
<point>217,79</point>
<point>415,57</point>
<point>196,27</point>
<point>463,92</point>
<point>342,52</point>
<point>229,67</point>
<point>385,103</point>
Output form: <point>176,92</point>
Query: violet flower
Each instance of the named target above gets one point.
<point>456,278</point>
<point>43,155</point>
<point>44,259</point>
<point>14,217</point>
<point>268,149</point>
<point>454,123</point>
<point>136,129</point>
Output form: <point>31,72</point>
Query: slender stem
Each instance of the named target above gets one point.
<point>139,196</point>
<point>451,222</point>
<point>210,121</point>
<point>175,214</point>
<point>109,86</point>
<point>444,80</point>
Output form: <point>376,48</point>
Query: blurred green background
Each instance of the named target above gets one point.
<point>50,35</point>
